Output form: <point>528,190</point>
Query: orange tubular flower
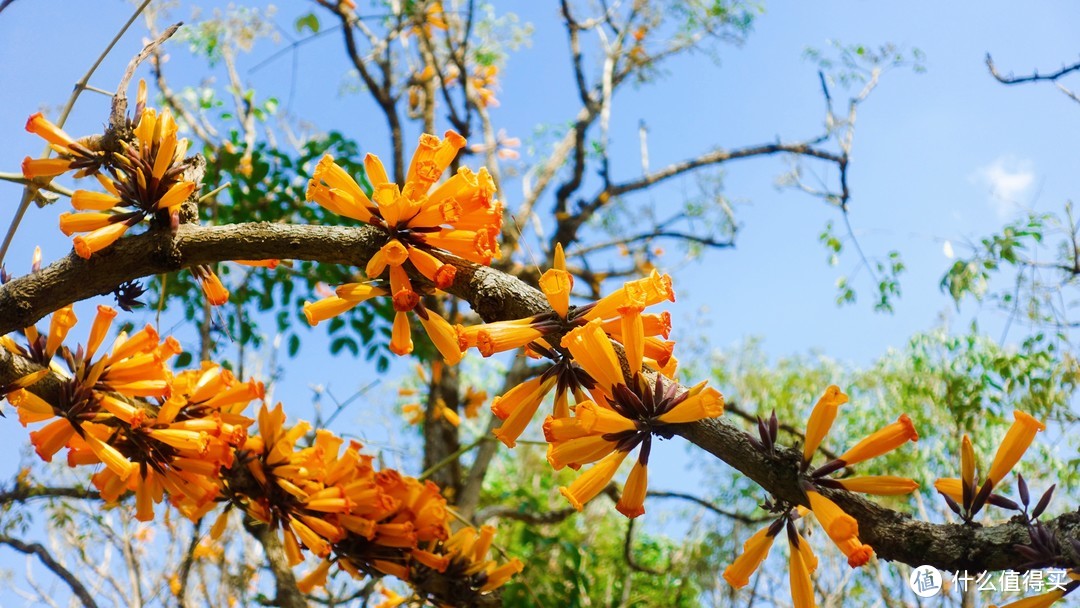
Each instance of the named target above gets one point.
<point>51,438</point>
<point>821,420</point>
<point>146,177</point>
<point>415,220</point>
<point>400,335</point>
<point>578,451</point>
<point>497,576</point>
<point>349,296</point>
<point>517,407</point>
<point>591,348</point>
<point>44,167</point>
<point>557,283</point>
<point>215,292</point>
<point>74,155</point>
<point>755,550</point>
<point>315,578</point>
<point>857,553</point>
<point>840,526</point>
<point>651,290</point>
<point>85,200</point>
<point>1012,448</point>
<point>708,403</point>
<point>592,482</point>
<point>802,590</point>
<point>624,414</point>
<point>952,487</point>
<point>87,244</point>
<point>879,485</point>
<point>61,323</point>
<point>881,442</point>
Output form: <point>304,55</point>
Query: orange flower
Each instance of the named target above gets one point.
<point>44,167</point>
<point>518,406</point>
<point>857,553</point>
<point>755,550</point>
<point>414,218</point>
<point>838,525</point>
<point>880,485</point>
<point>881,441</point>
<point>348,297</point>
<point>952,487</point>
<point>557,283</point>
<point>592,482</point>
<point>821,420</point>
<point>802,589</point>
<point>146,177</point>
<point>87,244</point>
<point>215,292</point>
<point>1012,448</point>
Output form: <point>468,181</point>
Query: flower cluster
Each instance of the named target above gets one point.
<point>616,411</point>
<point>183,436</point>
<point>177,444</point>
<point>838,525</point>
<point>334,504</point>
<point>145,179</point>
<point>964,495</point>
<point>459,216</point>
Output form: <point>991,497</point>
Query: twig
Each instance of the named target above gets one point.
<point>29,191</point>
<point>119,104</point>
<point>708,505</point>
<point>57,568</point>
<point>628,552</point>
<point>518,514</point>
<point>1034,77</point>
<point>465,449</point>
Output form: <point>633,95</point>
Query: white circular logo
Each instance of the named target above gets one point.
<point>925,581</point>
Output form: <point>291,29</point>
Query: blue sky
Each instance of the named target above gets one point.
<point>943,156</point>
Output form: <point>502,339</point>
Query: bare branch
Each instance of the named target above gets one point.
<point>37,550</point>
<point>25,493</point>
<point>628,552</point>
<point>1035,76</point>
<point>119,102</point>
<point>708,505</point>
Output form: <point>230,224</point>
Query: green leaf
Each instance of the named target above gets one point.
<point>308,22</point>
<point>183,360</point>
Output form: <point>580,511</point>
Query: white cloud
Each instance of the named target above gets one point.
<point>1008,181</point>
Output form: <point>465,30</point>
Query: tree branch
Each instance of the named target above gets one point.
<point>56,567</point>
<point>567,230</point>
<point>495,296</point>
<point>1035,76</point>
<point>25,493</point>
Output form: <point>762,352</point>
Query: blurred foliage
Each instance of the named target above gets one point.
<point>580,561</point>
<point>1030,270</point>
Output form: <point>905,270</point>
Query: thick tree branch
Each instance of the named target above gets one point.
<point>495,295</point>
<point>56,567</point>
